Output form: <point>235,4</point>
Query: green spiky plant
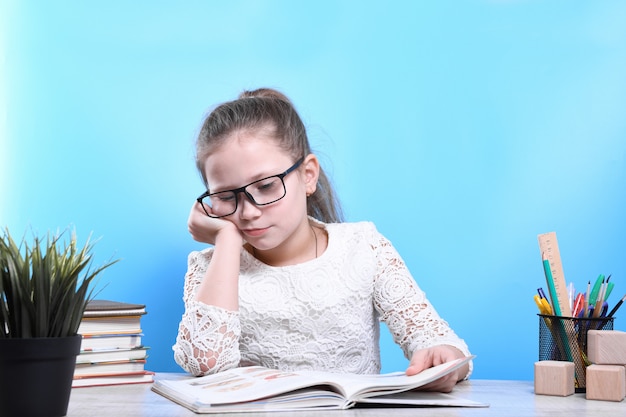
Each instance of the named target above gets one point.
<point>44,286</point>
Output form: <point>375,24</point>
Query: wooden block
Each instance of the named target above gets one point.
<point>554,378</point>
<point>606,382</point>
<point>606,347</point>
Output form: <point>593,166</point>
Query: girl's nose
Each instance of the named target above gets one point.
<point>247,209</point>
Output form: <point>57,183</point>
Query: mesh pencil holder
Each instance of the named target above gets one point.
<point>565,339</point>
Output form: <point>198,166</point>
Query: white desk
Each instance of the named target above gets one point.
<point>507,398</point>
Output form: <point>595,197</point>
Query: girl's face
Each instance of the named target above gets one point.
<point>247,156</point>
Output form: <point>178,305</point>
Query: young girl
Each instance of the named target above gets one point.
<point>286,283</point>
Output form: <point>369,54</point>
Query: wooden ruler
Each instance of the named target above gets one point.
<point>549,246</point>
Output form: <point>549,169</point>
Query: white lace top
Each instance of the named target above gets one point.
<point>322,314</point>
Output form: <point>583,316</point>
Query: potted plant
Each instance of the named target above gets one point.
<point>44,289</point>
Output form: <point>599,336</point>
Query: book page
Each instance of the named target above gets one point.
<point>356,386</point>
<point>241,385</point>
<point>423,398</point>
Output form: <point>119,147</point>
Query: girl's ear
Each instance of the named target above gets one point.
<point>311,173</point>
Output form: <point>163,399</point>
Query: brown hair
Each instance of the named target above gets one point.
<point>259,109</point>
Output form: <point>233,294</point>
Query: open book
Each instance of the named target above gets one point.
<point>256,388</point>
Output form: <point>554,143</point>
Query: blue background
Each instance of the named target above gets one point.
<point>463,129</point>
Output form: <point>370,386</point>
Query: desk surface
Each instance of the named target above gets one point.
<point>515,398</point>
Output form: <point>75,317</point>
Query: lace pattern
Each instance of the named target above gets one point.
<point>323,314</point>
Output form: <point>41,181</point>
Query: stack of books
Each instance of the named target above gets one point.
<point>111,352</point>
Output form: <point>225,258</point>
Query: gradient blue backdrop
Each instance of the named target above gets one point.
<point>463,129</point>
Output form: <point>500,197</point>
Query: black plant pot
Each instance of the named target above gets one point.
<point>36,375</point>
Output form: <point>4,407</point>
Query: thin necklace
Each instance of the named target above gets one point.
<point>315,238</point>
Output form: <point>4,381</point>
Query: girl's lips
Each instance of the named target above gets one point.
<point>254,232</point>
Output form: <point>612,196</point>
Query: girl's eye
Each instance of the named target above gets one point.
<point>266,185</point>
<point>225,197</point>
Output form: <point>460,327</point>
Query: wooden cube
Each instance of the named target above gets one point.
<point>606,382</point>
<point>606,347</point>
<point>554,378</point>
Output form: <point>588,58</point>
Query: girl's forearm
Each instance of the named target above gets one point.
<point>220,286</point>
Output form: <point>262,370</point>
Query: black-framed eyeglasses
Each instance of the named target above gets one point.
<point>261,192</point>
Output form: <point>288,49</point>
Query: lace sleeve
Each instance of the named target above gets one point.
<point>411,319</point>
<point>208,336</point>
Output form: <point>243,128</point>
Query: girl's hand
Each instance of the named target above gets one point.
<point>206,229</point>
<point>436,355</point>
